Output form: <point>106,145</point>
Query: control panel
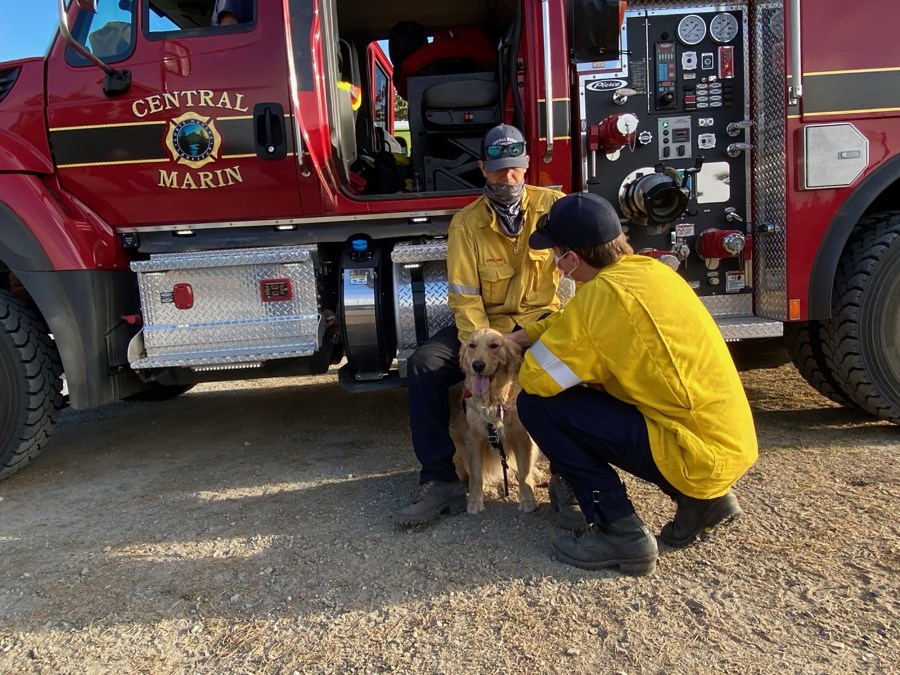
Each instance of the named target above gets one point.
<point>678,170</point>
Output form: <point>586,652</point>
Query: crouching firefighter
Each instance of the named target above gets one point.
<point>663,400</point>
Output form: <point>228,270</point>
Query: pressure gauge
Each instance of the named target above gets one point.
<point>691,29</point>
<point>723,27</point>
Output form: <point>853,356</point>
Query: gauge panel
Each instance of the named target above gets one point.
<point>723,27</point>
<point>691,29</point>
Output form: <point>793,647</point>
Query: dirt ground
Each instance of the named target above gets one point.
<point>245,528</point>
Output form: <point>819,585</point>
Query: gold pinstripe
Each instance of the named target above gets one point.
<point>109,126</point>
<point>146,161</point>
<point>124,161</point>
<point>852,72</point>
<point>142,124</point>
<point>847,112</point>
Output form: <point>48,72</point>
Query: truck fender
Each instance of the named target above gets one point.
<point>19,248</point>
<point>839,230</point>
<point>69,235</point>
<point>82,307</point>
<point>17,155</point>
<point>83,310</point>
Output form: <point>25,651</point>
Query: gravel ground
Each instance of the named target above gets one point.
<point>245,528</point>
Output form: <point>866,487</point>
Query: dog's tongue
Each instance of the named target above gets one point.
<point>480,385</point>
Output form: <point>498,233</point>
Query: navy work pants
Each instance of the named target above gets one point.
<point>584,433</point>
<point>431,370</point>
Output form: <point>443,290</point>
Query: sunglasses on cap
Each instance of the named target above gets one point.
<point>497,150</point>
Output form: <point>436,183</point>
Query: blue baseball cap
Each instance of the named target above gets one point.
<point>581,220</point>
<point>502,136</point>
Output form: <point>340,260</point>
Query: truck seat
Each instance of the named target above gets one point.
<point>461,94</point>
<point>448,116</point>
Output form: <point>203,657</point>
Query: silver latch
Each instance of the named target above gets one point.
<point>731,215</point>
<point>735,149</point>
<point>620,95</point>
<point>735,128</point>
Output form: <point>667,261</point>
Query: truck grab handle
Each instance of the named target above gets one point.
<point>548,80</point>
<point>795,91</point>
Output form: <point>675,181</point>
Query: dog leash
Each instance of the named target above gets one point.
<point>497,444</point>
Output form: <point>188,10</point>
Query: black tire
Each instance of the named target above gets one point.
<point>864,331</point>
<point>810,351</point>
<point>161,392</point>
<point>30,384</point>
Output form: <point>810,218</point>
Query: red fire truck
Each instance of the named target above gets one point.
<point>184,199</point>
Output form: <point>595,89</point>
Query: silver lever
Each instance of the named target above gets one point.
<point>735,128</point>
<point>620,96</point>
<point>731,215</point>
<point>735,149</point>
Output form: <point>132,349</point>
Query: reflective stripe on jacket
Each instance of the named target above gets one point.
<point>640,331</point>
<point>494,280</point>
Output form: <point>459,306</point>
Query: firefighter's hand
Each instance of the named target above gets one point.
<point>520,337</point>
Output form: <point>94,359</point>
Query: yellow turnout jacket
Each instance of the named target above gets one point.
<point>640,331</point>
<point>494,280</point>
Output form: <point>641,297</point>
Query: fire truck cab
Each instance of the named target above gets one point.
<point>185,198</point>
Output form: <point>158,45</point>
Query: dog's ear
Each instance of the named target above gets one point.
<point>512,355</point>
<point>464,357</point>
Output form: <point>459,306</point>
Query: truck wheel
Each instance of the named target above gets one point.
<point>864,331</point>
<point>808,344</point>
<point>160,392</point>
<point>30,384</point>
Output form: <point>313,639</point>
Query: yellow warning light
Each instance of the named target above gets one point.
<point>794,309</point>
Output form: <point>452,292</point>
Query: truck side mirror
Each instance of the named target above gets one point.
<point>117,81</point>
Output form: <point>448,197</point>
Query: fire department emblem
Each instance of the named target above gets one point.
<point>193,140</point>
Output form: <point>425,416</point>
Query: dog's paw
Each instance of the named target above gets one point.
<point>475,506</point>
<point>528,505</point>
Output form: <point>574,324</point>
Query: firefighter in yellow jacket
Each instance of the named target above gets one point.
<point>662,400</point>
<point>494,280</point>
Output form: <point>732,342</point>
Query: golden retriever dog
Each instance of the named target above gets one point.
<point>490,364</point>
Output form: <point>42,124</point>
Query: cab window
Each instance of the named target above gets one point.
<point>204,16</point>
<point>381,96</point>
<point>108,34</point>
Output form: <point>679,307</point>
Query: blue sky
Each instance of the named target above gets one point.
<point>35,24</point>
<point>30,32</point>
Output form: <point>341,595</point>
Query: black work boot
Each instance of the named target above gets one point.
<point>563,501</point>
<point>625,543</point>
<point>433,499</point>
<point>698,518</point>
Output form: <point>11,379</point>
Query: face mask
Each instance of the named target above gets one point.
<point>557,258</point>
<point>503,194</point>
